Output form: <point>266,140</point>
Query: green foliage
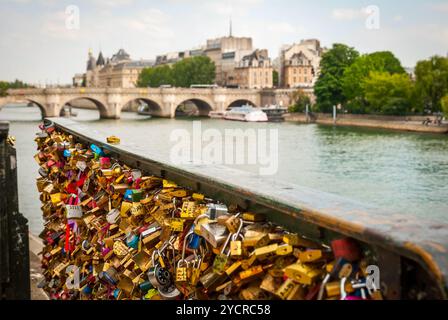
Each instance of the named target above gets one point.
<point>301,101</point>
<point>432,82</point>
<point>155,77</point>
<point>444,103</point>
<point>195,70</point>
<point>17,84</point>
<point>328,88</point>
<point>275,79</point>
<point>389,94</point>
<point>354,75</point>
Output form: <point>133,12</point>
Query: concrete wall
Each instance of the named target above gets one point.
<point>409,123</point>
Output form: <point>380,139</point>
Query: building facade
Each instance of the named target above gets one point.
<point>253,71</point>
<point>120,71</point>
<point>300,64</point>
<point>226,53</point>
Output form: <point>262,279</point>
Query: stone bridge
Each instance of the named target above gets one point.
<point>162,102</point>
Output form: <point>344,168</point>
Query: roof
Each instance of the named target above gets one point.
<point>100,61</point>
<point>121,55</point>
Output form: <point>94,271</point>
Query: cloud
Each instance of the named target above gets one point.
<point>152,22</point>
<point>348,14</point>
<point>231,7</point>
<point>284,27</point>
<point>112,3</point>
<point>439,7</point>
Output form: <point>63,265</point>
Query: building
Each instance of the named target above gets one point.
<point>300,64</point>
<point>120,71</point>
<point>254,71</point>
<point>173,57</point>
<point>226,52</point>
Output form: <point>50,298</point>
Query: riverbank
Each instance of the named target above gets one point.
<point>411,123</point>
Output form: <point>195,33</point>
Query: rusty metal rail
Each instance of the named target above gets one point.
<point>412,253</point>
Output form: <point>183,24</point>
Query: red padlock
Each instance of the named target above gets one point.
<point>50,163</point>
<point>105,162</point>
<point>346,248</point>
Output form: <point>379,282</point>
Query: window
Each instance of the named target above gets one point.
<point>295,80</point>
<point>306,79</point>
<point>295,70</point>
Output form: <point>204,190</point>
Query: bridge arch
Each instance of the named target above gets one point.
<point>100,105</point>
<point>203,106</point>
<point>240,102</point>
<point>38,104</point>
<point>154,107</point>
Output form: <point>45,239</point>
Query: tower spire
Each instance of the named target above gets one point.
<point>230,28</point>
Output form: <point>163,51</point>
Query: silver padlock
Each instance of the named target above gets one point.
<point>214,233</point>
<point>215,210</point>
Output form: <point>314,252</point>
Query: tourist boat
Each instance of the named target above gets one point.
<point>275,112</point>
<point>246,113</point>
<point>216,114</point>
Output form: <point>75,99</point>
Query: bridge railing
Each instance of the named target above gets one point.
<point>411,253</point>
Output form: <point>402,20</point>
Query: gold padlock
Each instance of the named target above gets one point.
<point>302,273</point>
<point>266,252</point>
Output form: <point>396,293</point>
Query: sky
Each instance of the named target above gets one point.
<point>42,43</point>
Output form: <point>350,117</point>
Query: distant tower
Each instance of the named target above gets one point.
<point>230,28</point>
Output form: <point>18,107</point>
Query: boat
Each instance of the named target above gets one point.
<point>246,113</point>
<point>275,113</point>
<point>216,114</point>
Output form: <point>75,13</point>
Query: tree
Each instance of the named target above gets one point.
<point>195,70</point>
<point>444,104</point>
<point>275,79</point>
<point>155,77</point>
<point>432,82</point>
<point>389,94</point>
<point>17,84</point>
<point>301,100</point>
<point>354,76</point>
<point>328,88</point>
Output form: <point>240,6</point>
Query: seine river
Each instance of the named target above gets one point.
<point>404,172</point>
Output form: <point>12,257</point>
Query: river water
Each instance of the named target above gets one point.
<point>405,172</point>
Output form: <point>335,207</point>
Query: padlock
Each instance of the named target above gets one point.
<point>221,259</point>
<point>196,272</point>
<point>194,241</point>
<point>215,210</point>
<point>286,289</point>
<point>343,292</point>
<point>233,223</point>
<point>346,248</point>
<point>266,252</point>
<point>270,284</point>
<point>188,210</point>
<point>181,271</point>
<point>214,233</point>
<point>302,273</point>
<point>312,255</point>
<point>210,280</point>
<point>73,211</point>
<point>236,247</point>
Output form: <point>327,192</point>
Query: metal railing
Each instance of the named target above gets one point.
<point>411,253</point>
